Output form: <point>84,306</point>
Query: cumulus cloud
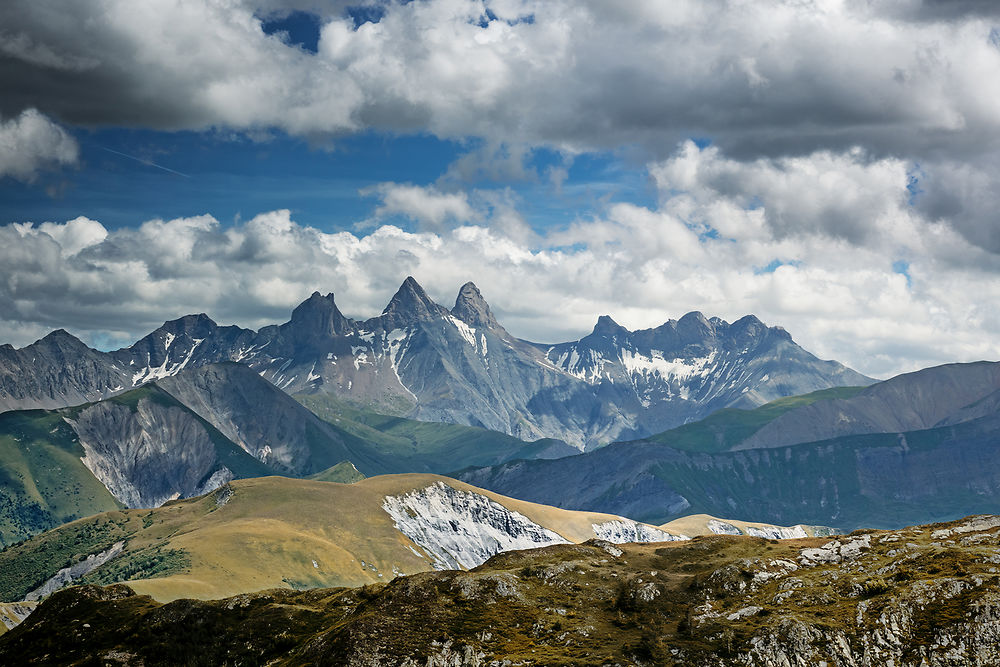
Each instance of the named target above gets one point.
<point>759,78</point>
<point>425,205</point>
<point>884,299</point>
<point>31,142</point>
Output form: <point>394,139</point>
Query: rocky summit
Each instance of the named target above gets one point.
<point>922,596</point>
<point>421,360</point>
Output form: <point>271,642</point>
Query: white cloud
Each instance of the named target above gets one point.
<point>32,142</point>
<point>426,205</point>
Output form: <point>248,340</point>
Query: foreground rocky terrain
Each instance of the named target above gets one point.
<point>927,595</point>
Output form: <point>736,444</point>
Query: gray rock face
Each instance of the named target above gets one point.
<point>461,529</point>
<point>420,360</point>
<point>264,421</point>
<point>68,575</point>
<point>57,371</point>
<point>149,454</point>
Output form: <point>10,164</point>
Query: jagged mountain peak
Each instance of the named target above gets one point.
<point>471,308</point>
<point>409,304</point>
<point>319,315</point>
<point>61,339</point>
<point>199,325</point>
<point>607,327</point>
<point>695,328</point>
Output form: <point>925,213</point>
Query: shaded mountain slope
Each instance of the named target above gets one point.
<point>185,435</point>
<point>909,402</point>
<point>877,480</point>
<point>733,463</point>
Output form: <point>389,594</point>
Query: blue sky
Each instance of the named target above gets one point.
<point>829,167</point>
<point>127,176</point>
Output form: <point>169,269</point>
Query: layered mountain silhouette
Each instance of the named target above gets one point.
<point>918,447</point>
<point>421,360</point>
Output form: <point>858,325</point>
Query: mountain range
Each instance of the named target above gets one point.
<point>207,461</point>
<point>423,361</point>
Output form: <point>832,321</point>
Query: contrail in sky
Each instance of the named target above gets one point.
<point>148,163</point>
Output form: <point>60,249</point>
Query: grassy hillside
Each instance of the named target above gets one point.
<point>416,446</point>
<point>342,473</point>
<point>728,427</point>
<point>254,534</point>
<point>42,481</point>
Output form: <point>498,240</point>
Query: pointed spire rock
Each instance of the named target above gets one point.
<point>471,308</point>
<point>319,316</point>
<point>409,304</point>
<point>607,327</point>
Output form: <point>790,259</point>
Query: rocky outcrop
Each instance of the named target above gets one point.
<point>620,532</point>
<point>149,452</point>
<point>13,613</point>
<point>461,529</point>
<point>71,573</point>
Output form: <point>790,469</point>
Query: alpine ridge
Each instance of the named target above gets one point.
<point>420,360</point>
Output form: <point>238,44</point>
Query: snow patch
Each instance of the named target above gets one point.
<point>622,531</point>
<point>656,364</point>
<point>467,332</point>
<point>461,529</point>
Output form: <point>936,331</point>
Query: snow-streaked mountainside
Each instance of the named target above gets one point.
<point>422,360</point>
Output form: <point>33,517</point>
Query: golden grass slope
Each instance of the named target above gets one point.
<point>279,532</point>
<point>260,533</point>
<point>269,532</point>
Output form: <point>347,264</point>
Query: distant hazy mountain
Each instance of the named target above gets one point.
<point>919,447</point>
<point>421,360</point>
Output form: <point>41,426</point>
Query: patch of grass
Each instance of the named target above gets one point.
<point>408,445</point>
<point>143,564</point>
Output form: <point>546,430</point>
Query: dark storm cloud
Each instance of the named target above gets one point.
<point>938,10</point>
<point>766,78</point>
